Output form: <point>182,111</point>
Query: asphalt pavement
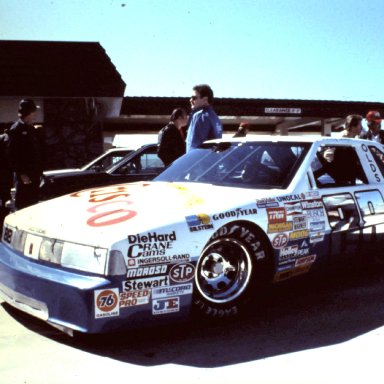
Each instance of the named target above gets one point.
<point>326,330</point>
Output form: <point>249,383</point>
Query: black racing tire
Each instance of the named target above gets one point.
<point>232,269</point>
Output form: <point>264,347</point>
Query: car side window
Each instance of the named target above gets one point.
<point>150,162</point>
<point>337,166</point>
<point>379,158</point>
<point>146,162</point>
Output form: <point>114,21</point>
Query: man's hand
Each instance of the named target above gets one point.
<point>25,179</point>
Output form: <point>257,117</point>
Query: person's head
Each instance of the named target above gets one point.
<point>179,117</point>
<point>27,109</point>
<point>202,96</point>
<point>374,121</point>
<point>353,125</point>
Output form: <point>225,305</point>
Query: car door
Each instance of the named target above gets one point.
<point>353,206</point>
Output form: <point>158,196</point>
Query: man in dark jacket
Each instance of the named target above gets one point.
<point>6,179</point>
<point>26,155</point>
<point>172,137</point>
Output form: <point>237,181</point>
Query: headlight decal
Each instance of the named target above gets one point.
<point>83,257</point>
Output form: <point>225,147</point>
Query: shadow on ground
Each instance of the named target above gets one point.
<point>296,316</point>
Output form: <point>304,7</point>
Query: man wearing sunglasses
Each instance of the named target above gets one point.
<point>203,122</point>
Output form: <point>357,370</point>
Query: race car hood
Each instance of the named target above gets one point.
<point>103,214</point>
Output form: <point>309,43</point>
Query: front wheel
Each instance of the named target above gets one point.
<point>230,270</point>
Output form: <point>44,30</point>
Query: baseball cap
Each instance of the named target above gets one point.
<point>27,106</point>
<point>373,116</point>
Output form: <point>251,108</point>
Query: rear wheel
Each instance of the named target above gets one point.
<point>230,270</point>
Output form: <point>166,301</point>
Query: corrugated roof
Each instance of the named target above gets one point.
<point>57,69</point>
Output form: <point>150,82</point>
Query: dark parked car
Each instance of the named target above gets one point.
<point>100,163</point>
<point>142,164</point>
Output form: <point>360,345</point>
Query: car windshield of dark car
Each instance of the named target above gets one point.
<point>245,164</point>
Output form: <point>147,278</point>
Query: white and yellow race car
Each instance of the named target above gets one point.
<point>208,235</point>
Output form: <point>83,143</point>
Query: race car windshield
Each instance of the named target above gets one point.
<point>246,165</point>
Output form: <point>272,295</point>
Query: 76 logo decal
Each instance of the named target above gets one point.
<point>106,303</point>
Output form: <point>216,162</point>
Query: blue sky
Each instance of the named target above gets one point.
<point>290,49</point>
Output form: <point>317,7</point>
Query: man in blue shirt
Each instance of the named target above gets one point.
<point>203,122</point>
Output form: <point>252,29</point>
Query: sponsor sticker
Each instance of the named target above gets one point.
<point>276,215</point>
<point>288,253</point>
<point>180,273</point>
<point>174,290</point>
<point>199,222</point>
<point>149,283</point>
<point>299,234</point>
<point>236,213</point>
<point>299,223</point>
<point>153,270</point>
<point>267,202</point>
<point>133,298</point>
<point>106,303</point>
<point>305,260</point>
<point>293,208</point>
<point>280,227</point>
<point>150,244</point>
<point>166,305</point>
<point>280,240</point>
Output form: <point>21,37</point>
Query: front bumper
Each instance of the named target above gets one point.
<point>67,299</point>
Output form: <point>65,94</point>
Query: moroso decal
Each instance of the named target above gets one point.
<point>106,303</point>
<point>153,270</point>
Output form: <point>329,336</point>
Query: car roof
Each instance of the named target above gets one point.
<point>289,139</point>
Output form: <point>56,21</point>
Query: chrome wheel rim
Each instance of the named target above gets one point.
<point>223,271</point>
